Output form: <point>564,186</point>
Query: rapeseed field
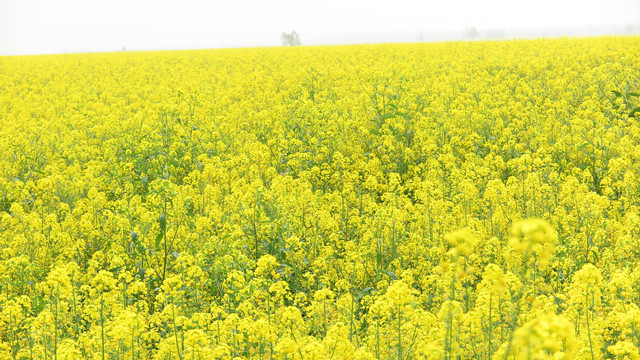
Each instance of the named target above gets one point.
<point>460,200</point>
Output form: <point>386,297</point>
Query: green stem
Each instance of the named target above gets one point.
<point>588,325</point>
<point>175,329</point>
<point>102,324</point>
<point>490,324</point>
<point>399,315</point>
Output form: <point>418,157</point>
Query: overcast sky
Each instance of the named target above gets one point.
<point>50,26</point>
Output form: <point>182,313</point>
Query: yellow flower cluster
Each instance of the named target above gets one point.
<point>461,200</point>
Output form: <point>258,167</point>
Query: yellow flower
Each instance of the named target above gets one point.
<point>102,282</point>
<point>461,242</point>
<point>290,317</point>
<point>279,289</point>
<point>588,276</point>
<point>266,266</point>
<point>533,236</point>
<point>546,334</point>
<point>323,295</point>
<point>624,350</point>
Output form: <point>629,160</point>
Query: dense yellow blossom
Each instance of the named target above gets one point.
<point>546,337</point>
<point>460,200</point>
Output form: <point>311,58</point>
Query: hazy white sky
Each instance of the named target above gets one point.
<point>50,26</point>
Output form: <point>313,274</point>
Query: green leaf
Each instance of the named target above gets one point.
<point>635,112</point>
<point>582,146</point>
<point>363,293</point>
<point>162,220</point>
<point>392,275</point>
<point>634,94</point>
<point>39,305</point>
<point>158,240</point>
<point>617,93</point>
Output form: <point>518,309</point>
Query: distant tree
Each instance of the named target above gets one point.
<point>291,39</point>
<point>471,33</point>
